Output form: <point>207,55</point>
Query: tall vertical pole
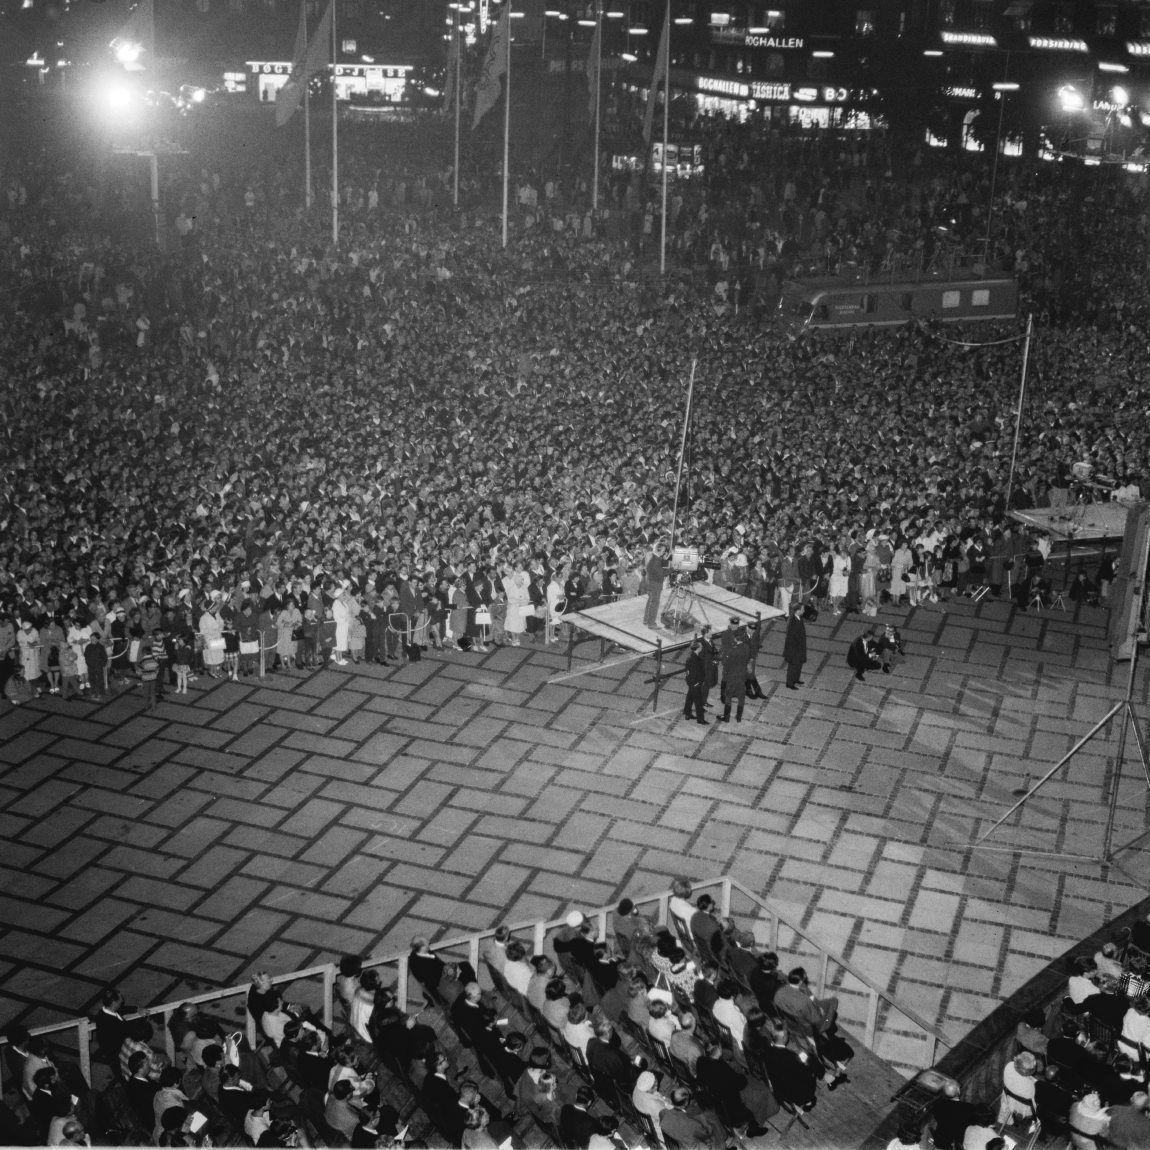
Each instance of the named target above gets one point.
<point>458,48</point>
<point>307,188</point>
<point>993,177</point>
<point>1018,413</point>
<point>154,163</point>
<point>682,454</point>
<point>334,138</point>
<point>1127,718</point>
<point>666,126</point>
<point>598,90</point>
<point>506,119</point>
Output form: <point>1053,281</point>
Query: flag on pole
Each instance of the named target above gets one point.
<point>452,69</point>
<point>305,64</point>
<point>657,77</point>
<point>593,66</point>
<point>488,90</point>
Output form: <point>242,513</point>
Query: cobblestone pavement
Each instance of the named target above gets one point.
<point>277,823</point>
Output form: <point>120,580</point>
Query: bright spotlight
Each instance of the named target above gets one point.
<point>127,51</point>
<point>1119,95</point>
<point>198,95</point>
<point>118,97</point>
<point>1070,98</point>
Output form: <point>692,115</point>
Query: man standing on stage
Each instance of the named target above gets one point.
<point>795,645</point>
<point>696,683</point>
<point>655,578</point>
<point>736,654</point>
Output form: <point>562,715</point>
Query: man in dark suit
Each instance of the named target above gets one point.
<point>696,684</point>
<point>794,1078</point>
<point>740,957</point>
<point>736,657</point>
<point>140,1090</point>
<point>710,663</point>
<point>687,1125</point>
<point>951,1116</point>
<point>795,645</point>
<point>862,655</point>
<point>475,1021</point>
<point>725,1085</point>
<point>612,1070</point>
<point>576,1124</point>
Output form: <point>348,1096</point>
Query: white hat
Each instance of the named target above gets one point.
<point>575,918</point>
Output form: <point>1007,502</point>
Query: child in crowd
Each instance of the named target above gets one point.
<point>69,671</point>
<point>96,660</point>
<point>357,638</point>
<point>183,664</point>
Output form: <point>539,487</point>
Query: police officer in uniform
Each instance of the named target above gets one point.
<point>696,683</point>
<point>736,654</point>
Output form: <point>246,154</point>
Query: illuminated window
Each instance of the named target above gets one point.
<point>980,297</point>
<point>864,22</point>
<point>946,11</point>
<point>1107,21</point>
<point>950,299</point>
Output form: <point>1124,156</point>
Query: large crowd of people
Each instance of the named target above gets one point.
<point>253,432</point>
<point>249,446</point>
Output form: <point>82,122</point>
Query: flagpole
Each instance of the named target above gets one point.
<point>458,86</point>
<point>506,119</point>
<point>307,190</point>
<point>682,453</point>
<point>666,125</point>
<point>598,89</point>
<point>334,139</point>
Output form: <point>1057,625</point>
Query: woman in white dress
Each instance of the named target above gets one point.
<point>341,613</point>
<point>288,619</point>
<point>212,631</point>
<point>840,581</point>
<point>556,604</point>
<point>79,634</point>
<point>899,566</point>
<point>515,587</point>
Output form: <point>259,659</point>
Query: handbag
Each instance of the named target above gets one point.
<point>216,644</point>
<point>232,1048</point>
<point>483,616</point>
<point>249,646</point>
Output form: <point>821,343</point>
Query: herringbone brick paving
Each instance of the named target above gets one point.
<point>277,823</point>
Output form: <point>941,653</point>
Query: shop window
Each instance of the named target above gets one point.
<point>773,19</point>
<point>864,21</point>
<point>980,297</point>
<point>951,299</point>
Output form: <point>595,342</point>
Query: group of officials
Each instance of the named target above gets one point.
<point>734,653</point>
